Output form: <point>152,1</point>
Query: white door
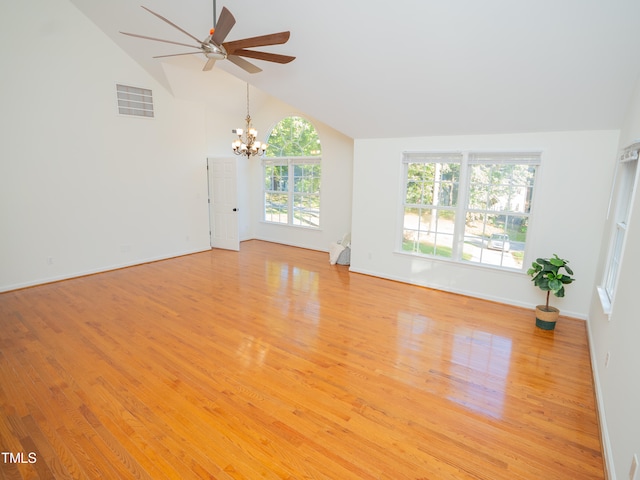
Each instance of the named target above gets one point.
<point>223,203</point>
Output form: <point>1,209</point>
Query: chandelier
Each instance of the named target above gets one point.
<point>246,144</point>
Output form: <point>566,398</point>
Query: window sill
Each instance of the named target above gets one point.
<point>604,301</point>
<point>302,227</point>
<point>462,263</point>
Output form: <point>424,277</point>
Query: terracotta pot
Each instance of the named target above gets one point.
<point>546,317</point>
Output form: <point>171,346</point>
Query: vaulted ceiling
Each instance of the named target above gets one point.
<point>374,69</point>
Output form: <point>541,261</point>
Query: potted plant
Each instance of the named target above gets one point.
<point>550,275</point>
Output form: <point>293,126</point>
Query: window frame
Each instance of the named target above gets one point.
<point>286,135</point>
<point>291,163</point>
<point>439,158</point>
<point>466,160</point>
<point>622,193</point>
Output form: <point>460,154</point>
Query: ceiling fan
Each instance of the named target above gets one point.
<point>215,48</point>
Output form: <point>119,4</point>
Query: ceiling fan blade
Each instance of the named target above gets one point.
<point>176,54</point>
<point>171,23</point>
<point>209,65</point>
<point>260,41</point>
<point>223,26</point>
<point>267,57</point>
<point>243,64</point>
<point>160,40</point>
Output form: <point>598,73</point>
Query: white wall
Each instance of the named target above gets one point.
<point>618,384</point>
<point>336,184</point>
<point>570,202</point>
<point>83,189</point>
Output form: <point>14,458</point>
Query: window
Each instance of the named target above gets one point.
<point>431,201</point>
<point>623,192</point>
<point>292,174</point>
<point>134,101</point>
<point>469,207</point>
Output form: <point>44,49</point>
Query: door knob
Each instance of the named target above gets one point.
<point>235,209</point>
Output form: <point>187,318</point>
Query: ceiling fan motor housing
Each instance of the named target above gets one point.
<point>214,52</point>
<point>215,48</point>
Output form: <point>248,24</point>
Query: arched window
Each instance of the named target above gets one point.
<point>291,170</point>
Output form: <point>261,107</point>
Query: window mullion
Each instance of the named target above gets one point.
<point>461,208</point>
<point>290,190</point>
<point>480,204</point>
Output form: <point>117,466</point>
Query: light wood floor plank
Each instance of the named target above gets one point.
<point>271,363</point>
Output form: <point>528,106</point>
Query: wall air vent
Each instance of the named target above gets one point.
<point>134,101</point>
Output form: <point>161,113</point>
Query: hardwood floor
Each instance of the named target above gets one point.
<point>272,363</point>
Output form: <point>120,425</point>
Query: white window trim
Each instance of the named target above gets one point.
<point>290,162</point>
<point>619,226</point>
<point>466,158</point>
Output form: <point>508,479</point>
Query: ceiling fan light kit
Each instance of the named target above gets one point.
<point>216,53</point>
<point>215,48</point>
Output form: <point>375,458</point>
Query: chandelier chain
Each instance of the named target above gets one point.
<point>247,143</point>
<point>248,101</point>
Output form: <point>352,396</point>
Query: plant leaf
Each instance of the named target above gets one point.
<point>555,285</point>
<point>558,262</point>
<point>543,283</point>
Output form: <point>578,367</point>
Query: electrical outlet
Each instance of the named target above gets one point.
<point>49,260</point>
<point>633,472</point>
<point>606,359</point>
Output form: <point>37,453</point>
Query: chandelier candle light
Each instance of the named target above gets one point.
<point>247,144</point>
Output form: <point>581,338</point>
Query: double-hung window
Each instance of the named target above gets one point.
<point>498,207</point>
<point>469,207</point>
<point>431,202</point>
<point>623,191</point>
<point>292,172</point>
<point>292,191</point>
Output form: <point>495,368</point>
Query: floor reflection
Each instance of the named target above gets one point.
<point>479,370</point>
<point>252,352</point>
<point>294,291</point>
<point>463,364</point>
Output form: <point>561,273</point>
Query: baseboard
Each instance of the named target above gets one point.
<point>466,293</point>
<point>607,452</point>
<point>84,273</point>
<point>289,244</point>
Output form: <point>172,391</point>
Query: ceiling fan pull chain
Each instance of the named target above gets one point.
<point>214,14</point>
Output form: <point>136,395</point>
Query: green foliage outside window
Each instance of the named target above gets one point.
<point>433,184</point>
<point>293,137</point>
<point>431,195</point>
<point>292,183</point>
<point>496,196</point>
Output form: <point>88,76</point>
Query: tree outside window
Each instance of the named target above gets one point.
<point>469,207</point>
<point>292,174</point>
<point>499,206</point>
<point>430,207</point>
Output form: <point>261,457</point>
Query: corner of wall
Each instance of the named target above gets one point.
<point>607,452</point>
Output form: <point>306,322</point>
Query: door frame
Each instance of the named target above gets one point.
<point>222,183</point>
